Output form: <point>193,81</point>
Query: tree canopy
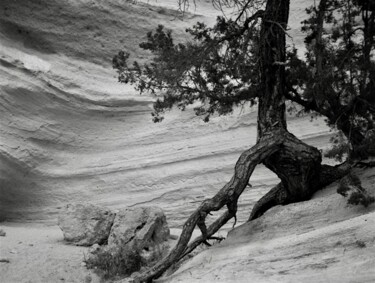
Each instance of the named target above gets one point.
<point>218,68</point>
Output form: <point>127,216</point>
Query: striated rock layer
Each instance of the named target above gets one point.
<point>69,132</point>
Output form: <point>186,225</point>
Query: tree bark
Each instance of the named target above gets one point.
<point>296,163</point>
<point>272,53</point>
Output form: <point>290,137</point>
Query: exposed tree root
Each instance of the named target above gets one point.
<point>227,196</point>
<point>277,146</point>
<point>278,195</point>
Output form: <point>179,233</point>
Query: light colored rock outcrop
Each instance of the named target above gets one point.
<point>144,229</point>
<point>141,230</point>
<point>86,224</point>
<point>143,225</point>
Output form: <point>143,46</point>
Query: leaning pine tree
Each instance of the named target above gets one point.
<point>238,60</point>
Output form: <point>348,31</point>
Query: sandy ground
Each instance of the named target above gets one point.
<point>37,253</point>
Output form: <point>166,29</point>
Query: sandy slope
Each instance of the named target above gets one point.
<point>321,240</point>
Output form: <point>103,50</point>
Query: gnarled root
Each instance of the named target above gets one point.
<point>297,165</point>
<point>227,196</point>
<point>279,195</point>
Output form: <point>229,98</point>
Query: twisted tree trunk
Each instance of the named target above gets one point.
<point>297,164</point>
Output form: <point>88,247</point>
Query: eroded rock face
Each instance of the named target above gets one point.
<point>142,225</point>
<point>86,224</point>
<point>144,229</point>
<point>141,230</point>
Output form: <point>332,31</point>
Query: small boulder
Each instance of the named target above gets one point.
<point>2,233</point>
<point>86,224</point>
<point>143,229</point>
<point>139,237</point>
<point>145,226</point>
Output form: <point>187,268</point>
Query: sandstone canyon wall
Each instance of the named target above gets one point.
<point>70,132</point>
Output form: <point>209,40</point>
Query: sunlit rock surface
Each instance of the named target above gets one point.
<point>85,224</point>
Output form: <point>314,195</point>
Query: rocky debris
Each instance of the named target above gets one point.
<point>2,233</point>
<point>141,233</point>
<point>86,224</point>
<point>5,260</point>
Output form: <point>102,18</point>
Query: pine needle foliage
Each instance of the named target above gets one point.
<point>351,187</point>
<point>337,79</point>
<point>217,69</point>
